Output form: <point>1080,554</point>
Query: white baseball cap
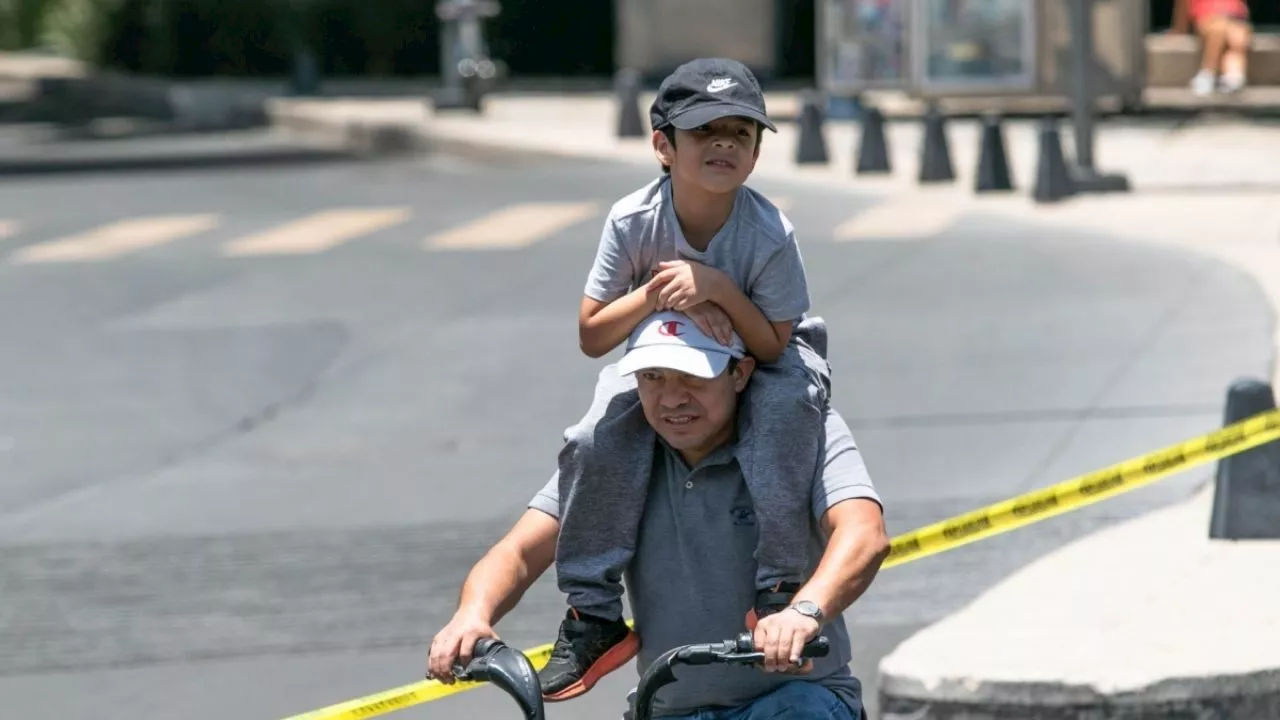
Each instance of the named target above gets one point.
<point>672,341</point>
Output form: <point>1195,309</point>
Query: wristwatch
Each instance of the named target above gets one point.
<point>808,609</point>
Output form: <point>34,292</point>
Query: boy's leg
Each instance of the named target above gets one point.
<point>603,475</point>
<point>784,439</point>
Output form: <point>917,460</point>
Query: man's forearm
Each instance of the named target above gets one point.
<point>496,584</point>
<point>853,557</point>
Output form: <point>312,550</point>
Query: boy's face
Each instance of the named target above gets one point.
<point>717,157</point>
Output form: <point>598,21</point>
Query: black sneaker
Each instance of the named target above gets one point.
<point>587,649</point>
<point>770,601</point>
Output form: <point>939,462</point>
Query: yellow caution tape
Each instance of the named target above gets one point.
<point>931,539</point>
<point>1083,490</point>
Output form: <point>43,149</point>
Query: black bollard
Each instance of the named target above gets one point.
<point>873,148</point>
<point>812,145</point>
<point>993,162</point>
<point>1053,183</point>
<point>935,159</point>
<point>628,88</point>
<point>1246,498</point>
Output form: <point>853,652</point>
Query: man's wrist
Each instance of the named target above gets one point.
<point>474,612</point>
<point>809,609</point>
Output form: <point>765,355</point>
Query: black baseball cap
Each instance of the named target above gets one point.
<point>707,89</point>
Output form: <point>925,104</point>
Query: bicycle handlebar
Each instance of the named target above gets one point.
<point>738,651</point>
<point>509,669</point>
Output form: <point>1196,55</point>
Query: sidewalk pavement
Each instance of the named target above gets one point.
<point>1147,612</point>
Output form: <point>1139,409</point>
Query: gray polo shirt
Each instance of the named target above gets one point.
<point>692,577</point>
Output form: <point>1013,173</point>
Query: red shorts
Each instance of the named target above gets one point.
<point>1200,9</point>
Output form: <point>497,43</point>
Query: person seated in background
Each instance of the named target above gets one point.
<point>1225,32</point>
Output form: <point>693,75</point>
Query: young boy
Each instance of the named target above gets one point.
<point>697,241</point>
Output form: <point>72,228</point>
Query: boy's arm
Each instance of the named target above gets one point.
<point>779,296</point>
<point>608,312</point>
<point>764,340</point>
<point>603,325</point>
<point>764,321</point>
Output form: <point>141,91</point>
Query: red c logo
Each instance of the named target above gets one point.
<point>670,328</point>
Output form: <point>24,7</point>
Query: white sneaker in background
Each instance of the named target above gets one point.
<point>1231,83</point>
<point>1203,82</point>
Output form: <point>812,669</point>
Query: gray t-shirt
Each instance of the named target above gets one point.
<point>756,247</point>
<point>692,578</point>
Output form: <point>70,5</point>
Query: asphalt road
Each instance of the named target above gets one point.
<point>249,486</point>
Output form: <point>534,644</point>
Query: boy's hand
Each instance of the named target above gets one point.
<point>684,284</point>
<point>712,320</point>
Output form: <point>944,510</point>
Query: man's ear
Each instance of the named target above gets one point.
<point>742,373</point>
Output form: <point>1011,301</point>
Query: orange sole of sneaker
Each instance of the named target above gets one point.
<point>613,659</point>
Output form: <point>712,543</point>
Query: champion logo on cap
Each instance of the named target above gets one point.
<point>671,328</point>
<point>720,84</point>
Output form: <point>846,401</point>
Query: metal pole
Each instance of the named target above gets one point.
<point>304,70</point>
<point>1081,53</point>
<point>1085,176</point>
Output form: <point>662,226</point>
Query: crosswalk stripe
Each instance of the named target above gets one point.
<point>513,226</point>
<point>116,239</point>
<point>907,218</point>
<point>318,232</point>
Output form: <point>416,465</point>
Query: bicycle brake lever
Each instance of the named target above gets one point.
<point>702,654</point>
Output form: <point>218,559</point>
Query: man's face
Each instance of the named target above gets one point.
<point>718,157</point>
<point>694,415</point>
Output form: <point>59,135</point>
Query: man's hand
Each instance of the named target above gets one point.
<point>712,320</point>
<point>781,636</point>
<point>685,284</point>
<point>454,643</point>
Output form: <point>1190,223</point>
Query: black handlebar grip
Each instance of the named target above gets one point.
<point>817,647</point>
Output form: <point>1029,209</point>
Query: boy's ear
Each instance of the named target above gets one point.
<point>662,148</point>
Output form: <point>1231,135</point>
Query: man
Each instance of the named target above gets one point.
<point>691,578</point>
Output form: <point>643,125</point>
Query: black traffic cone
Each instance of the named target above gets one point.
<point>1053,182</point>
<point>873,148</point>
<point>812,145</point>
<point>628,88</point>
<point>1246,497</point>
<point>993,163</point>
<point>935,159</point>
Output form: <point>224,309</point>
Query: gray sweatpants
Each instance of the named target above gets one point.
<point>606,462</point>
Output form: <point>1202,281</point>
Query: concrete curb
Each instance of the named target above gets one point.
<point>1255,695</point>
<point>249,150</point>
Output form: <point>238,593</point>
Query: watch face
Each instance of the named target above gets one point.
<point>809,608</point>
